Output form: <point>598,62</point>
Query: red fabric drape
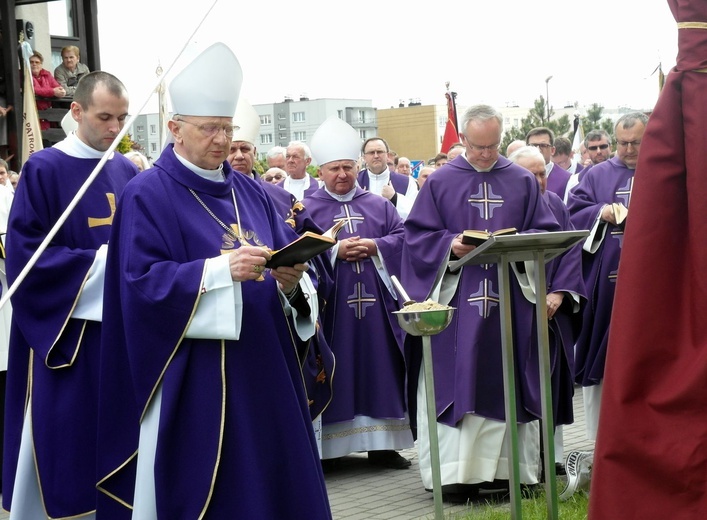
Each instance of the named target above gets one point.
<point>651,451</point>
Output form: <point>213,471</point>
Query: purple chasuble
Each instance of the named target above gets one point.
<point>557,180</point>
<point>467,355</point>
<point>358,324</point>
<point>604,183</point>
<point>63,379</point>
<point>315,354</point>
<point>564,274</point>
<point>226,405</point>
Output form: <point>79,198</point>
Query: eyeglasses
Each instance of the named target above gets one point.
<point>544,146</point>
<point>270,178</point>
<point>211,129</point>
<point>481,149</point>
<point>626,144</point>
<point>375,152</point>
<point>596,147</point>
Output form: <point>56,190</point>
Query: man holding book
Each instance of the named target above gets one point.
<point>368,411</point>
<point>483,191</point>
<point>591,205</point>
<point>199,368</point>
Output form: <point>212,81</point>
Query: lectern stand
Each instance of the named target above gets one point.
<point>502,250</point>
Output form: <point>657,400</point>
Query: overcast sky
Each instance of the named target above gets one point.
<point>494,51</point>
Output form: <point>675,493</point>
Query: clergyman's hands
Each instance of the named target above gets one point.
<point>356,248</point>
<point>460,250</point>
<point>248,263</point>
<point>553,300</point>
<point>289,277</point>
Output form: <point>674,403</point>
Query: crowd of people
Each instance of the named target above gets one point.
<point>156,358</point>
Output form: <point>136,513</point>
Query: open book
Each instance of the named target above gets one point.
<point>306,247</point>
<point>620,213</point>
<point>476,237</point>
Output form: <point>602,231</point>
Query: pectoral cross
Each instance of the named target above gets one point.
<point>106,221</point>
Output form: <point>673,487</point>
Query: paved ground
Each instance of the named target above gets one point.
<point>358,491</point>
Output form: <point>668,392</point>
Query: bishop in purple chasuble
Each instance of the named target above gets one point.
<point>235,434</point>
<point>358,325</point>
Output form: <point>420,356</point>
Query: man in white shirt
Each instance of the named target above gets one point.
<point>399,189</point>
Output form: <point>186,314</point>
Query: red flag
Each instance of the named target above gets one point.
<point>451,134</point>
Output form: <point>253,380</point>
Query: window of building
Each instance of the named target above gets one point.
<point>153,147</point>
<point>140,128</point>
<point>361,116</point>
<point>362,134</point>
<point>283,136</point>
<point>61,20</point>
<point>281,116</point>
<point>153,129</point>
<point>340,114</point>
<point>265,138</point>
<point>265,120</point>
<point>300,136</point>
<point>281,127</point>
<point>298,117</point>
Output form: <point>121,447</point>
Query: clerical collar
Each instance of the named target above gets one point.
<point>211,175</point>
<point>548,168</point>
<point>342,198</point>
<point>382,175</point>
<point>478,168</point>
<point>75,147</point>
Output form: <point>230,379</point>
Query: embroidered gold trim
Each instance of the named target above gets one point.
<point>692,25</point>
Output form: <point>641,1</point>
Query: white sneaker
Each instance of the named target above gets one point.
<point>579,472</point>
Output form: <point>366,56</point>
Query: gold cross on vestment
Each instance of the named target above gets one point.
<point>105,221</point>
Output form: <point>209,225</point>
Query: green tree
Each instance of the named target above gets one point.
<point>537,116</point>
<point>593,120</point>
<point>125,145</point>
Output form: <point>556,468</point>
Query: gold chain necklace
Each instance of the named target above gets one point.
<point>238,236</point>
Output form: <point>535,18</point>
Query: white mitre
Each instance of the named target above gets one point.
<point>335,140</point>
<point>68,123</point>
<point>248,122</point>
<point>209,86</point>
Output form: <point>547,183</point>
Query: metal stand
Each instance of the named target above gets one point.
<point>428,323</point>
<point>502,250</point>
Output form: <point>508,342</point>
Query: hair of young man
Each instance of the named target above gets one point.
<point>88,84</point>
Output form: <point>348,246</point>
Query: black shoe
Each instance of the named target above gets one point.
<point>388,459</point>
<point>560,469</point>
<point>460,493</point>
<point>331,464</point>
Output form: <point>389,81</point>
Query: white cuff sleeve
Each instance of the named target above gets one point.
<point>219,313</point>
<point>90,304</point>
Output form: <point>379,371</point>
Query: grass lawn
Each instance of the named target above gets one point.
<point>532,509</point>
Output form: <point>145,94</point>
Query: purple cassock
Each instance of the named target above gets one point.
<point>358,324</point>
<point>564,274</point>
<point>604,183</point>
<point>54,358</point>
<point>557,180</point>
<point>467,355</point>
<point>232,411</point>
